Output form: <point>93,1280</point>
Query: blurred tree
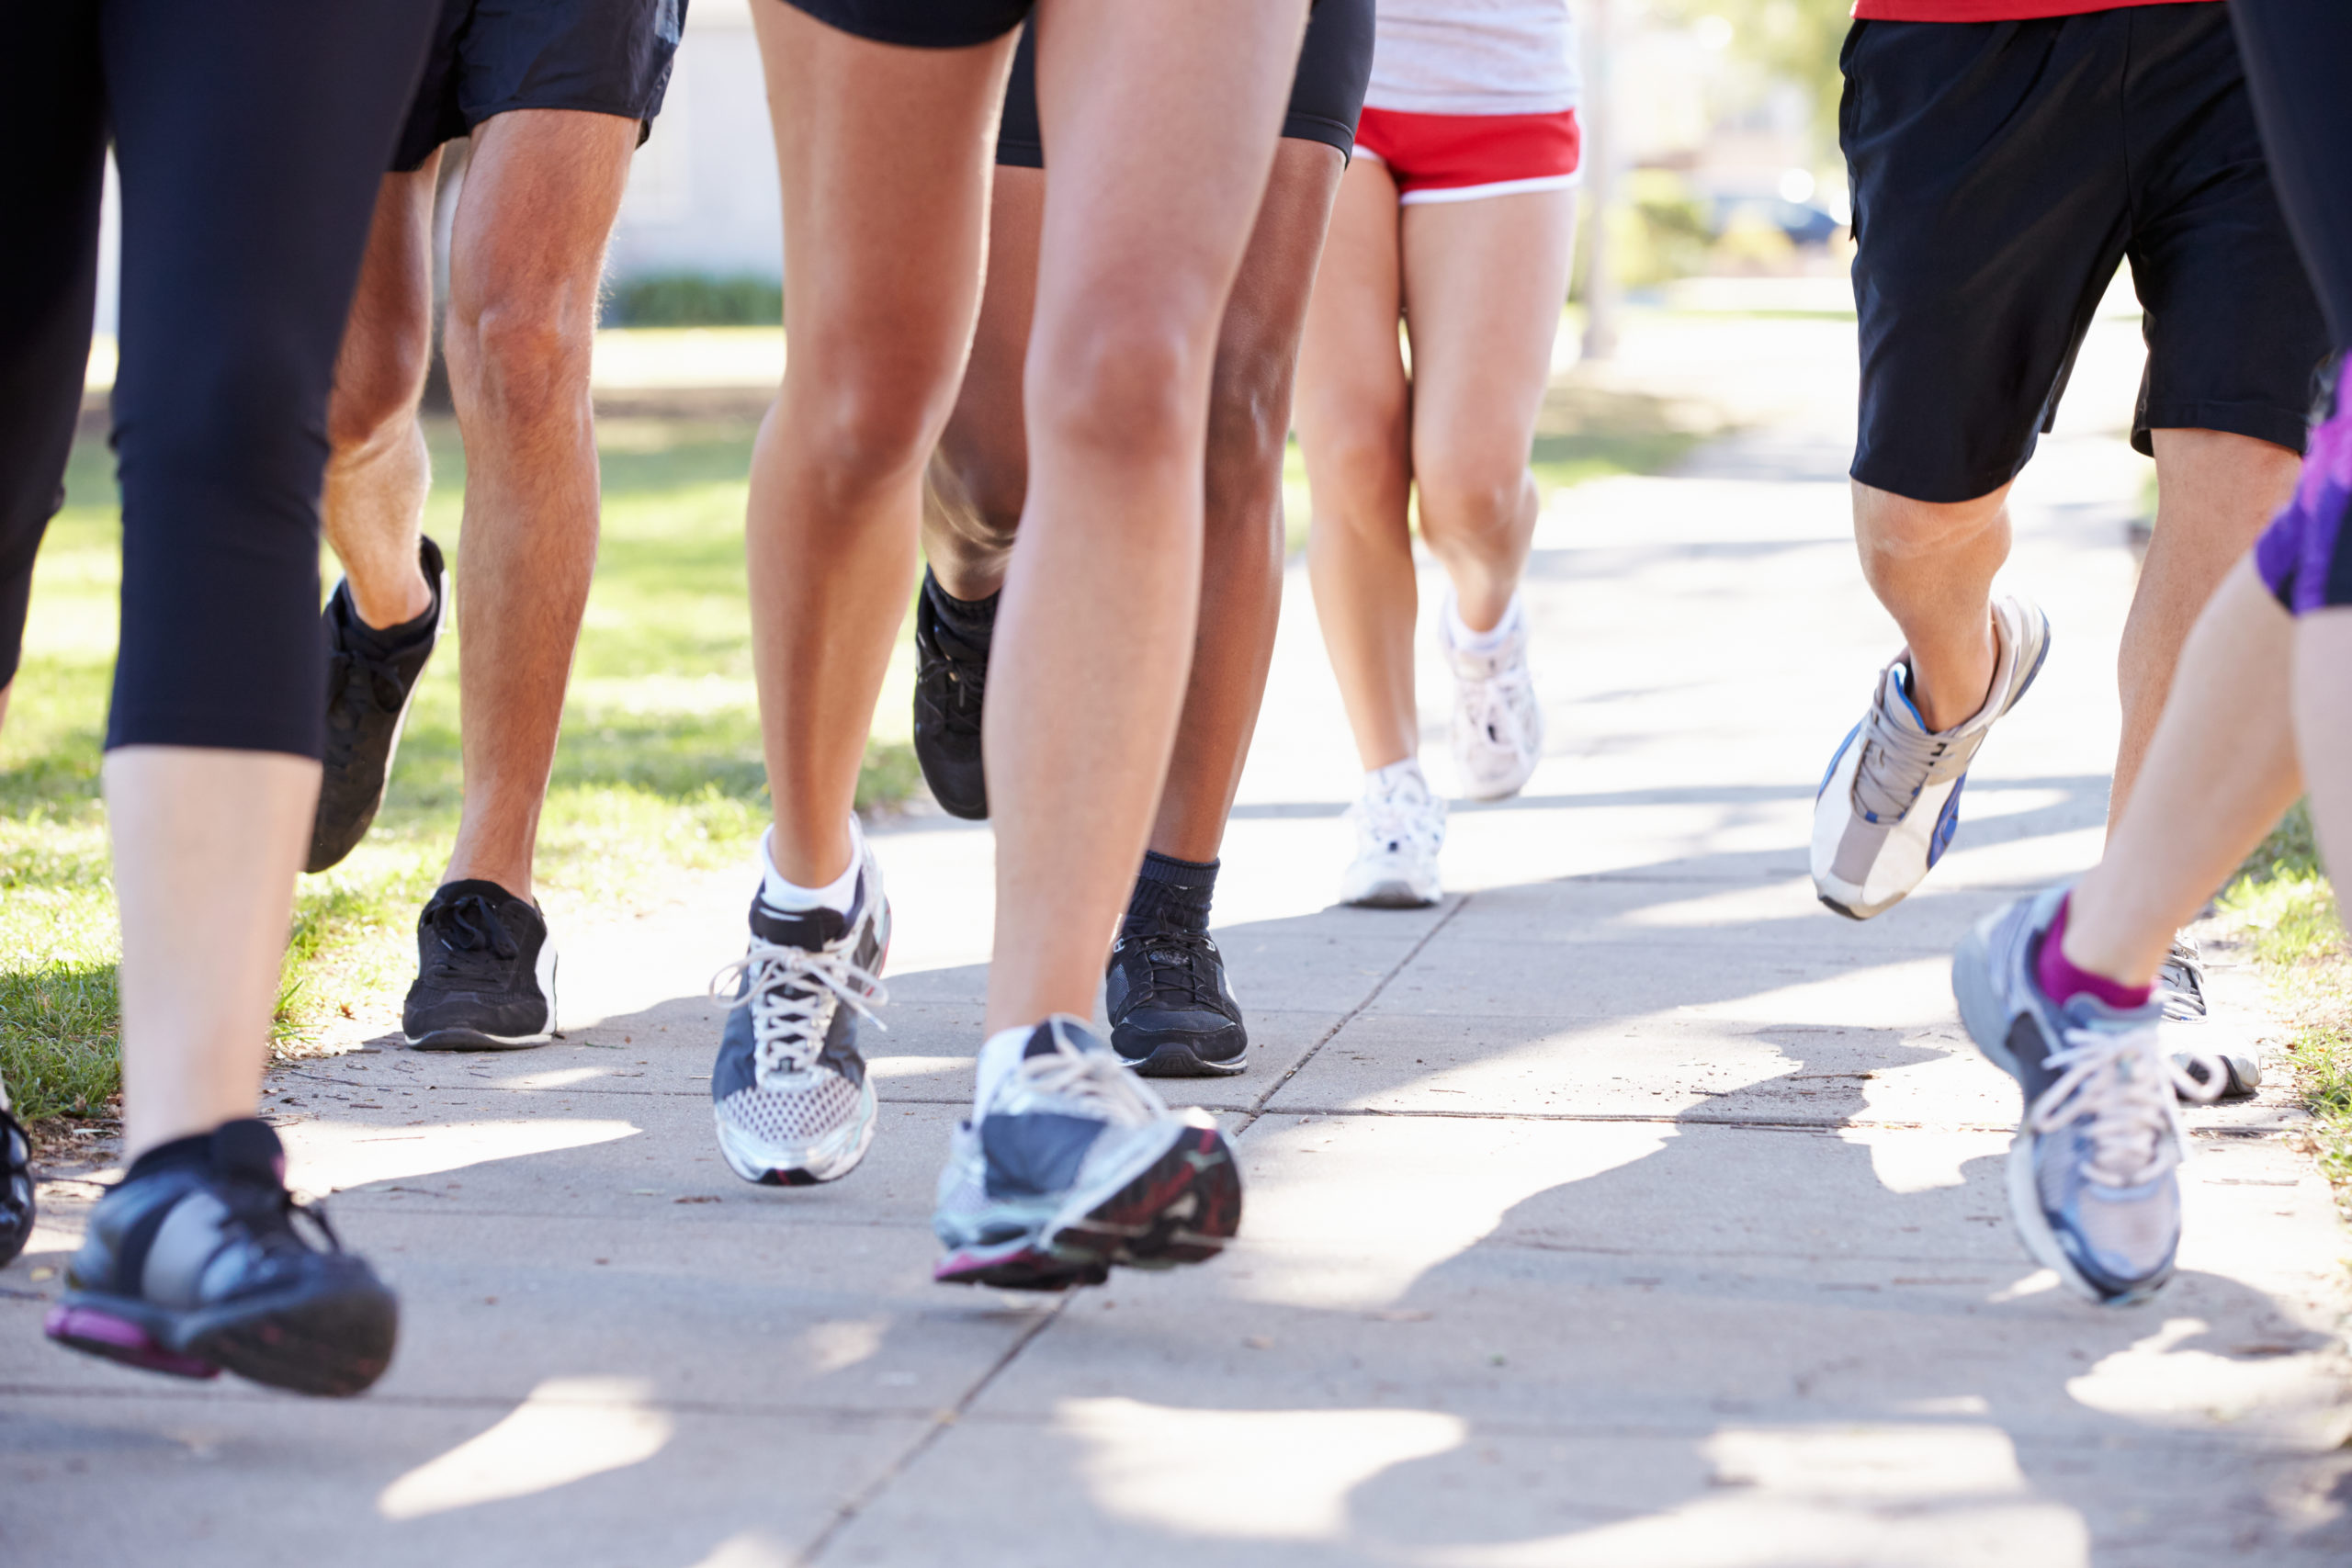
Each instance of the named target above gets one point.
<point>1796,38</point>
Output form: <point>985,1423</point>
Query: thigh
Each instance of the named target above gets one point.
<point>542,188</point>
<point>2234,332</point>
<point>1485,282</point>
<point>884,157</point>
<point>1156,227</point>
<point>1351,388</point>
<point>1990,214</point>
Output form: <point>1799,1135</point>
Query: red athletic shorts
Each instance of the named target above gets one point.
<point>1460,157</point>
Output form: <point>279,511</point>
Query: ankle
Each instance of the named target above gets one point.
<point>2064,976</point>
<point>393,607</point>
<point>1168,891</point>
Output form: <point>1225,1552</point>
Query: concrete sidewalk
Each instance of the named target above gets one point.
<point>1627,1209</point>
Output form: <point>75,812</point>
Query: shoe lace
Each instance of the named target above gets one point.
<point>1095,1080</point>
<point>1178,962</point>
<point>1898,763</point>
<point>788,990</point>
<point>2180,983</point>
<point>474,942</point>
<point>1387,823</point>
<point>955,684</point>
<point>2125,1097</point>
<point>357,681</point>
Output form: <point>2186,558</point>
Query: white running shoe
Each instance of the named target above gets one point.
<point>1890,802</point>
<point>1400,827</point>
<point>1498,724</point>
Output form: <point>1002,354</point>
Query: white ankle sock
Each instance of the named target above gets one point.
<point>1459,635</point>
<point>789,897</point>
<point>1397,776</point>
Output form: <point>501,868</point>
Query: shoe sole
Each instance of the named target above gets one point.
<point>1988,1023</point>
<point>1391,896</point>
<point>475,1040</point>
<point>334,1344</point>
<point>1182,1207</point>
<point>1174,1059</point>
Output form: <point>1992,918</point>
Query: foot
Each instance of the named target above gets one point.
<point>2180,991</point>
<point>485,976</point>
<point>368,689</point>
<point>789,1091</point>
<point>1890,802</point>
<point>194,1266</point>
<point>950,685</point>
<point>1498,724</point>
<point>1400,827</point>
<point>2092,1177</point>
<point>1172,1014</point>
<point>1073,1165</point>
<point>16,1185</point>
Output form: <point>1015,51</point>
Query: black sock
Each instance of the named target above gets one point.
<point>971,619</point>
<point>391,640</point>
<point>1170,892</point>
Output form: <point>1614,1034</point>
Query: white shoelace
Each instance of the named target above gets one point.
<point>2131,1095</point>
<point>1093,1079</point>
<point>1492,704</point>
<point>786,989</point>
<point>1388,822</point>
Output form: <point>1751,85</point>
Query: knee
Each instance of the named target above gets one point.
<point>1471,498</point>
<point>521,355</point>
<point>1124,383</point>
<point>1895,527</point>
<point>1249,412</point>
<point>976,490</point>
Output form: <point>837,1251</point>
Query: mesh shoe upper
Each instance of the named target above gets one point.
<point>789,1088</point>
<point>951,689</point>
<point>485,970</point>
<point>368,688</point>
<point>1166,988</point>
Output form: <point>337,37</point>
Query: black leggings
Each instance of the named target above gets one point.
<point>250,135</point>
<point>2299,60</point>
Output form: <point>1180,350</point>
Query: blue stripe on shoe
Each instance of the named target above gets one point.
<point>1036,1154</point>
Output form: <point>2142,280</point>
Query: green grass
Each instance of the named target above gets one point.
<point>2283,902</point>
<point>659,769</point>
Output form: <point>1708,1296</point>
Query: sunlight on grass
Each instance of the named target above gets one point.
<point>659,771</point>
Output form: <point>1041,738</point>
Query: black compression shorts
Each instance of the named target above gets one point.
<point>489,56</point>
<point>1326,96</point>
<point>2001,171</point>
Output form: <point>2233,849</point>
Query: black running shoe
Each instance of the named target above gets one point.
<point>16,1185</point>
<point>951,684</point>
<point>367,696</point>
<point>485,973</point>
<point>1172,1015</point>
<point>196,1266</point>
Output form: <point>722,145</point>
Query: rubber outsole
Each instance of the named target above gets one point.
<point>1175,1059</point>
<point>1180,1208</point>
<point>1392,896</point>
<point>333,1344</point>
<point>473,1040</point>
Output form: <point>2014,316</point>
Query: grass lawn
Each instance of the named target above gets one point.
<point>2283,903</point>
<point>659,769</point>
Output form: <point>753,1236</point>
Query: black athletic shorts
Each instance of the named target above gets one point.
<point>1326,96</point>
<point>2001,171</point>
<point>922,24</point>
<point>489,56</point>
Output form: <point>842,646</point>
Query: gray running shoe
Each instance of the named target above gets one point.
<point>1075,1165</point>
<point>2092,1177</point>
<point>789,1091</point>
<point>1890,802</point>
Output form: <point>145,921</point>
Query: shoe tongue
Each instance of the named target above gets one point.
<point>808,929</point>
<point>1060,1033</point>
<point>249,1148</point>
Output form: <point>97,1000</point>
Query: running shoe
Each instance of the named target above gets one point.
<point>370,686</point>
<point>195,1266</point>
<point>2180,983</point>
<point>1888,805</point>
<point>789,1093</point>
<point>1172,1014</point>
<point>2092,1178</point>
<point>950,685</point>
<point>16,1213</point>
<point>485,976</point>
<point>1498,724</point>
<point>1400,827</point>
<point>1074,1164</point>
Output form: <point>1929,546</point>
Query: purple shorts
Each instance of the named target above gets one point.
<point>2302,556</point>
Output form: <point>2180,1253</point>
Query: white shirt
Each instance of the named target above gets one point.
<point>1474,57</point>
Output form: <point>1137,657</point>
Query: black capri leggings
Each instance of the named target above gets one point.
<point>2299,60</point>
<point>250,135</point>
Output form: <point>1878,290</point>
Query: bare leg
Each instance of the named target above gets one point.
<point>1484,284</point>
<point>1932,565</point>
<point>1241,579</point>
<point>1135,266</point>
<point>224,833</point>
<point>2220,769</point>
<point>526,256</point>
<point>884,158</point>
<point>379,472</point>
<point>2216,493</point>
<point>2323,710</point>
<point>1355,430</point>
